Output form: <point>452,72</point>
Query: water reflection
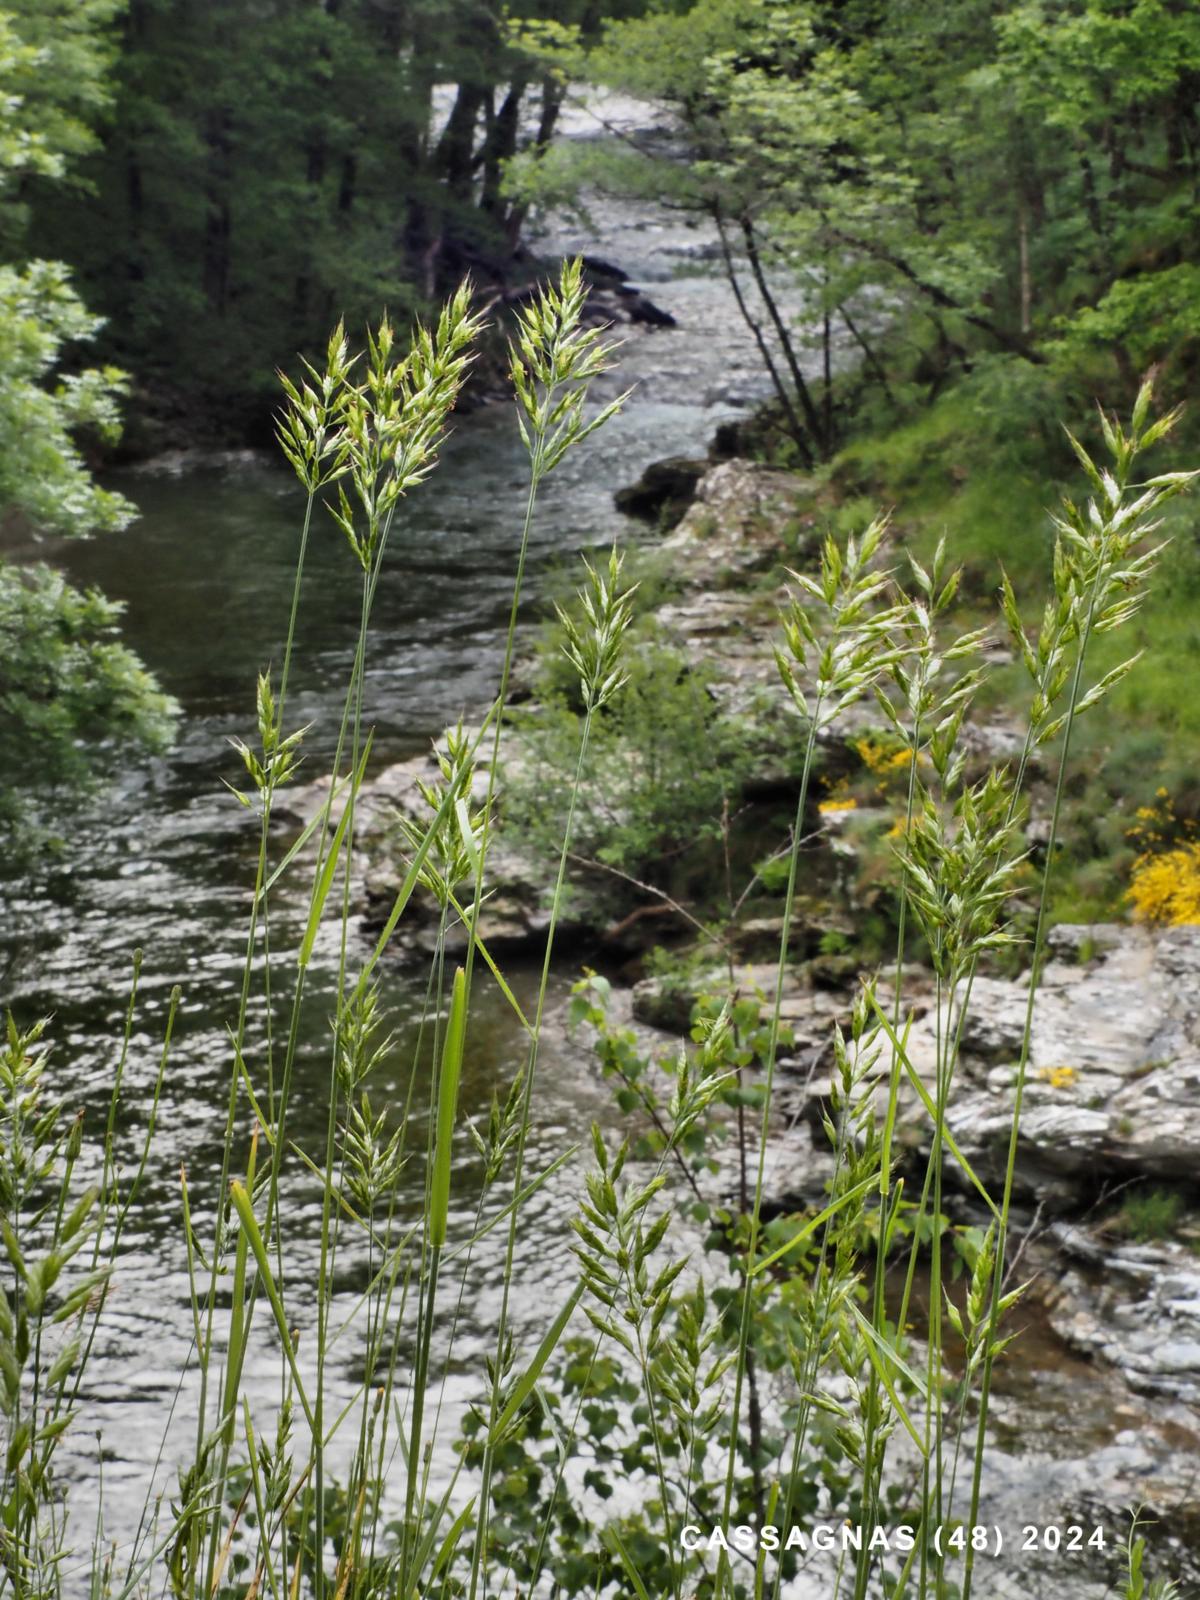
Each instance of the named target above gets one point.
<point>162,861</point>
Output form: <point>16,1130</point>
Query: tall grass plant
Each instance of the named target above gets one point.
<point>781,1380</point>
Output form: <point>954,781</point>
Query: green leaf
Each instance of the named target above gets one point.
<point>78,1213</point>
<point>63,1362</point>
<point>811,1225</point>
<point>533,1371</point>
<point>321,890</point>
<point>249,1222</point>
<point>452,1054</point>
<point>490,963</point>
<point>882,1357</point>
<point>923,1092</point>
<point>13,1249</point>
<point>612,1539</point>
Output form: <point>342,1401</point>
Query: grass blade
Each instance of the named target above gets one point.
<point>613,1540</point>
<point>927,1102</point>
<point>249,1222</point>
<point>880,1355</point>
<point>452,1054</point>
<point>404,893</point>
<point>324,882</point>
<point>533,1371</point>
<point>811,1225</point>
<point>491,964</point>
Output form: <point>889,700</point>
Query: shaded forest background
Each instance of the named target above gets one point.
<point>990,182</point>
<point>264,169</point>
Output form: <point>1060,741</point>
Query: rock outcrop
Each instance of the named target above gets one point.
<point>663,492</point>
<point>1134,1306</point>
<point>515,912</point>
<point>1113,1081</point>
<point>1112,1087</point>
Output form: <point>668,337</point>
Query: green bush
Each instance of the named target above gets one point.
<point>664,761</point>
<point>1149,1215</point>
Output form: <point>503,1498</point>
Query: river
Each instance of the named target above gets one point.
<point>163,858</point>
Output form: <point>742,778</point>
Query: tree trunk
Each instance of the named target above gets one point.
<point>347,183</point>
<point>501,145</point>
<point>869,355</point>
<point>795,426</point>
<point>1091,199</point>
<point>803,394</point>
<point>455,154</point>
<point>218,220</point>
<point>1023,258</point>
<point>938,297</point>
<point>552,99</point>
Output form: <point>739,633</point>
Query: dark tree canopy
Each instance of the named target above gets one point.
<point>67,684</point>
<point>270,167</point>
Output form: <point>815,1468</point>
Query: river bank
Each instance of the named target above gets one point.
<point>1109,1133</point>
<point>163,863</point>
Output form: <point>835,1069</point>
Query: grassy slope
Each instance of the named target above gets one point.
<point>988,476</point>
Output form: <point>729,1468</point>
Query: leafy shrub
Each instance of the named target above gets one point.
<point>1149,1215</point>
<point>664,760</point>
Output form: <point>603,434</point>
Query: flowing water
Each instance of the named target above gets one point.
<point>163,859</point>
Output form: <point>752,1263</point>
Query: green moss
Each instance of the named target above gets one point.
<point>1149,1215</point>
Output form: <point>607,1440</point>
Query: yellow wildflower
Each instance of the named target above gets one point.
<point>1059,1077</point>
<point>1165,887</point>
<point>881,759</point>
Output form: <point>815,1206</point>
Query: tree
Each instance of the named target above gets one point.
<point>962,189</point>
<point>67,684</point>
<point>273,165</point>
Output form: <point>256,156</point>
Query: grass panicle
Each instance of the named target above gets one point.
<point>784,1380</point>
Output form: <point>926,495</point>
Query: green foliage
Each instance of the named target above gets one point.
<point>641,1400</point>
<point>1149,1215</point>
<point>67,687</point>
<point>953,188</point>
<point>66,676</point>
<point>54,61</point>
<point>374,426</point>
<point>979,464</point>
<point>663,760</point>
<point>42,475</point>
<point>803,1305</point>
<point>64,1202</point>
<point>48,1218</point>
<point>1145,316</point>
<point>981,470</point>
<point>773,1379</point>
<point>1137,1585</point>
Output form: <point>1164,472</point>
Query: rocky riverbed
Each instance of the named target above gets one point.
<point>1113,1084</point>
